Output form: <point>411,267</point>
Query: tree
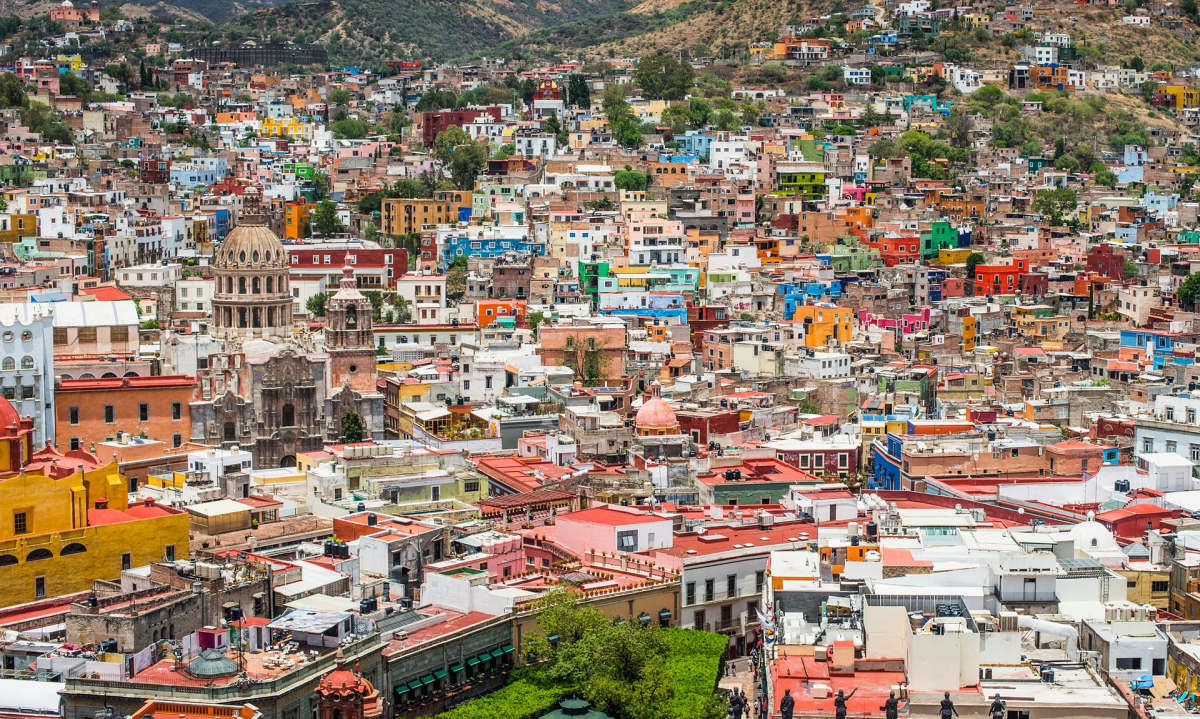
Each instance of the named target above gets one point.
<point>339,96</point>
<point>630,180</point>
<point>352,428</point>
<point>725,121</point>
<point>1137,64</point>
<point>403,312</point>
<point>1131,269</point>
<point>1189,291</point>
<point>878,75</point>
<point>466,162</point>
<point>578,92</point>
<point>614,103</point>
<point>325,219</point>
<point>973,260</point>
<point>884,150</point>
<point>661,75</point>
<point>456,277</point>
<point>349,129</point>
<point>626,131</point>
<point>701,111</point>
<point>12,91</point>
<point>1149,89</point>
<point>119,71</point>
<point>1106,177</point>
<point>447,140</point>
<point>1055,203</point>
<point>1066,162</point>
<point>321,186</point>
<point>150,325</point>
<point>534,319</point>
<point>316,304</point>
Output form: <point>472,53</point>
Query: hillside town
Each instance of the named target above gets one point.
<point>857,378</point>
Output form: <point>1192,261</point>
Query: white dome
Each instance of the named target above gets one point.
<point>1091,535</point>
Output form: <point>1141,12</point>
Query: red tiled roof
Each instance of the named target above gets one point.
<point>172,381</point>
<point>607,515</point>
<point>107,294</point>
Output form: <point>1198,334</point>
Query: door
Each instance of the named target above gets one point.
<point>1030,589</point>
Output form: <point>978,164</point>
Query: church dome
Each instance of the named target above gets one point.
<point>1091,535</point>
<point>656,416</point>
<point>251,245</point>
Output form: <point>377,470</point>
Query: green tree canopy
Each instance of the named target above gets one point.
<point>325,219</point>
<point>316,304</point>
<point>1188,291</point>
<point>630,180</point>
<point>662,75</point>
<point>352,427</point>
<point>578,92</point>
<point>349,129</point>
<point>973,260</point>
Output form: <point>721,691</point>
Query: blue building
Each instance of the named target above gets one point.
<point>489,244</point>
<point>1161,341</point>
<point>694,142</point>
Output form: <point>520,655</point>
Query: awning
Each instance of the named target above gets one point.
<point>507,649</point>
<point>414,685</point>
<point>427,679</point>
<point>439,674</point>
<point>644,618</point>
<point>472,661</point>
<point>456,668</point>
<point>497,653</point>
<point>485,656</point>
<point>553,638</point>
<point>402,689</point>
<point>665,614</point>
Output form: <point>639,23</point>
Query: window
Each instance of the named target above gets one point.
<point>709,589</point>
<point>177,440</point>
<point>470,487</point>
<point>731,585</point>
<point>169,553</point>
<point>87,335</point>
<point>60,336</point>
<point>39,587</point>
<point>1171,446</point>
<point>143,412</point>
<point>690,593</point>
<point>1129,662</point>
<point>758,581</point>
<point>1160,586</point>
<point>627,541</point>
<point>818,461</point>
<point>74,443</point>
<point>73,414</point>
<point>126,561</point>
<point>1148,445</point>
<point>698,619</point>
<point>110,413</point>
<point>20,524</point>
<point>487,382</point>
<point>435,494</point>
<point>176,410</point>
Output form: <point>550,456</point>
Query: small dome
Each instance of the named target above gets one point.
<point>1091,535</point>
<point>8,414</point>
<point>655,414</point>
<point>212,663</point>
<point>251,245</point>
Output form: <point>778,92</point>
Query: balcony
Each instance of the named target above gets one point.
<point>728,626</point>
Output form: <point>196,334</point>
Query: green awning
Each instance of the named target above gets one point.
<point>507,649</point>
<point>414,685</point>
<point>427,679</point>
<point>644,618</point>
<point>664,614</point>
<point>485,656</point>
<point>456,668</point>
<point>472,661</point>
<point>439,674</point>
<point>497,653</point>
<point>553,638</point>
<point>402,689</point>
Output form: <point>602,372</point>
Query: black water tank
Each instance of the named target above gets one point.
<point>854,541</point>
<point>362,507</point>
<point>872,530</point>
<point>372,520</point>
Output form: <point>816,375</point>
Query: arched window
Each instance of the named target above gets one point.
<point>7,560</point>
<point>39,554</point>
<point>257,317</point>
<point>72,548</point>
<point>281,284</point>
<point>131,374</point>
<point>351,317</point>
<point>241,285</point>
<point>270,285</point>
<point>106,375</point>
<point>256,286</point>
<point>229,285</point>
<point>230,432</point>
<point>270,315</point>
<point>26,362</point>
<point>289,416</point>
<point>242,317</point>
<point>9,363</point>
<point>87,375</point>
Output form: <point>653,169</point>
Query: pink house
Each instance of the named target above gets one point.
<point>612,528</point>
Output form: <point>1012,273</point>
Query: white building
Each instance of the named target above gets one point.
<point>193,294</point>
<point>1136,302</point>
<point>857,75</point>
<point>149,275</point>
<point>819,365</point>
<point>26,364</point>
<point>536,144</point>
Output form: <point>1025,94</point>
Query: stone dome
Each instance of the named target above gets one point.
<point>656,416</point>
<point>251,245</point>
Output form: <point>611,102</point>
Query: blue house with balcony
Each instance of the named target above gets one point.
<point>1160,341</point>
<point>694,142</point>
<point>886,456</point>
<point>463,245</point>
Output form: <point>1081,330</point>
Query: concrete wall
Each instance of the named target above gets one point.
<point>887,632</point>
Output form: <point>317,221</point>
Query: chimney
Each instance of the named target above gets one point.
<point>101,503</point>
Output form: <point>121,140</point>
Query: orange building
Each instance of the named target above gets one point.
<point>296,217</point>
<point>89,411</point>
<point>492,310</point>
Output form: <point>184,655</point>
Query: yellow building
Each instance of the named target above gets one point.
<point>75,62</point>
<point>1148,586</point>
<point>969,334</point>
<point>955,256</point>
<point>1181,96</point>
<point>823,323</point>
<point>60,530</point>
<point>289,127</point>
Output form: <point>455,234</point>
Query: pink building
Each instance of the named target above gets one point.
<point>612,528</point>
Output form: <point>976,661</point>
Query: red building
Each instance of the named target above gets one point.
<point>899,250</point>
<point>1035,283</point>
<point>154,170</point>
<point>1108,261</point>
<point>954,287</point>
<point>433,123</point>
<point>372,268</point>
<point>702,318</point>
<point>1132,522</point>
<point>703,423</point>
<point>998,279</point>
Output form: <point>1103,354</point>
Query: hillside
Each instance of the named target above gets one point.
<point>367,31</point>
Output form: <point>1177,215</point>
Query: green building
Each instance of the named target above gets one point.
<point>849,255</point>
<point>589,278</point>
<point>801,179</point>
<point>941,236</point>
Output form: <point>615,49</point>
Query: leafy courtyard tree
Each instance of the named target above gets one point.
<point>316,304</point>
<point>352,427</point>
<point>578,92</point>
<point>662,75</point>
<point>325,219</point>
